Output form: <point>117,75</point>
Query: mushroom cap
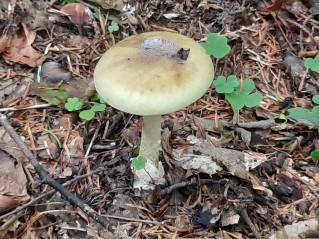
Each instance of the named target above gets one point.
<point>153,73</point>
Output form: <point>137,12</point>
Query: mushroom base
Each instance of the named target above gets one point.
<point>143,179</point>
<point>153,173</point>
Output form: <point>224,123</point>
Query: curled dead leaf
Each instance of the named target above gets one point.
<point>77,13</point>
<point>20,50</point>
<point>13,183</point>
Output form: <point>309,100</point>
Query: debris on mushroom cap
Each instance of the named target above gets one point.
<point>153,73</point>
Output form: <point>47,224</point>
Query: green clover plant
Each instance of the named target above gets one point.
<point>139,163</point>
<point>74,104</point>
<point>309,117</point>
<point>312,64</point>
<point>224,85</point>
<point>113,27</point>
<point>216,45</point>
<point>236,95</point>
<point>315,154</point>
<point>306,116</point>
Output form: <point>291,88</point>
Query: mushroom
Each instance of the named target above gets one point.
<point>152,74</point>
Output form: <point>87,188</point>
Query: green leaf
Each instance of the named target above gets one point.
<point>315,99</point>
<point>95,98</point>
<point>221,80</point>
<point>239,99</point>
<point>302,115</point>
<point>216,45</point>
<point>253,99</point>
<point>236,100</point>
<point>139,162</point>
<point>73,104</point>
<point>87,114</point>
<point>98,107</point>
<point>113,27</point>
<point>208,48</point>
<point>312,64</point>
<point>226,86</point>
<point>52,96</point>
<point>248,87</point>
<point>315,154</point>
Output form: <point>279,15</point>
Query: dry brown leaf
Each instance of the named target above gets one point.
<point>20,50</point>
<point>293,231</point>
<point>4,42</point>
<point>13,87</point>
<point>12,183</point>
<point>77,13</point>
<point>276,5</point>
<point>51,149</point>
<point>229,218</point>
<point>77,41</point>
<point>8,145</point>
<point>205,157</point>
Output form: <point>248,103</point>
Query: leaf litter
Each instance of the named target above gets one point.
<point>256,174</point>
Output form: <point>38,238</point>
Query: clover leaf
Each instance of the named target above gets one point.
<point>315,154</point>
<point>312,64</point>
<point>240,98</point>
<point>90,113</point>
<point>98,107</point>
<point>73,104</point>
<point>97,98</point>
<point>315,99</point>
<point>139,162</point>
<point>305,116</point>
<point>113,27</point>
<point>224,85</point>
<point>87,114</point>
<point>216,45</point>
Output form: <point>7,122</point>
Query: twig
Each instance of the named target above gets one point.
<point>46,178</point>
<point>243,213</point>
<point>201,182</point>
<point>34,200</point>
<point>25,107</point>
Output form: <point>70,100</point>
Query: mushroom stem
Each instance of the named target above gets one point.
<point>151,138</point>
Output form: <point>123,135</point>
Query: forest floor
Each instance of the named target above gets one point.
<point>267,170</point>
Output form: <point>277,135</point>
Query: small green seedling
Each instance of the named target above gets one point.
<point>224,85</point>
<point>306,116</point>
<point>113,27</point>
<point>283,117</point>
<point>139,163</point>
<point>216,45</point>
<point>236,95</point>
<point>312,64</point>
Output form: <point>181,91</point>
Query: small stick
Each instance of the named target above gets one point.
<point>243,213</point>
<point>34,200</point>
<point>180,185</point>
<point>46,178</point>
<point>25,107</point>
